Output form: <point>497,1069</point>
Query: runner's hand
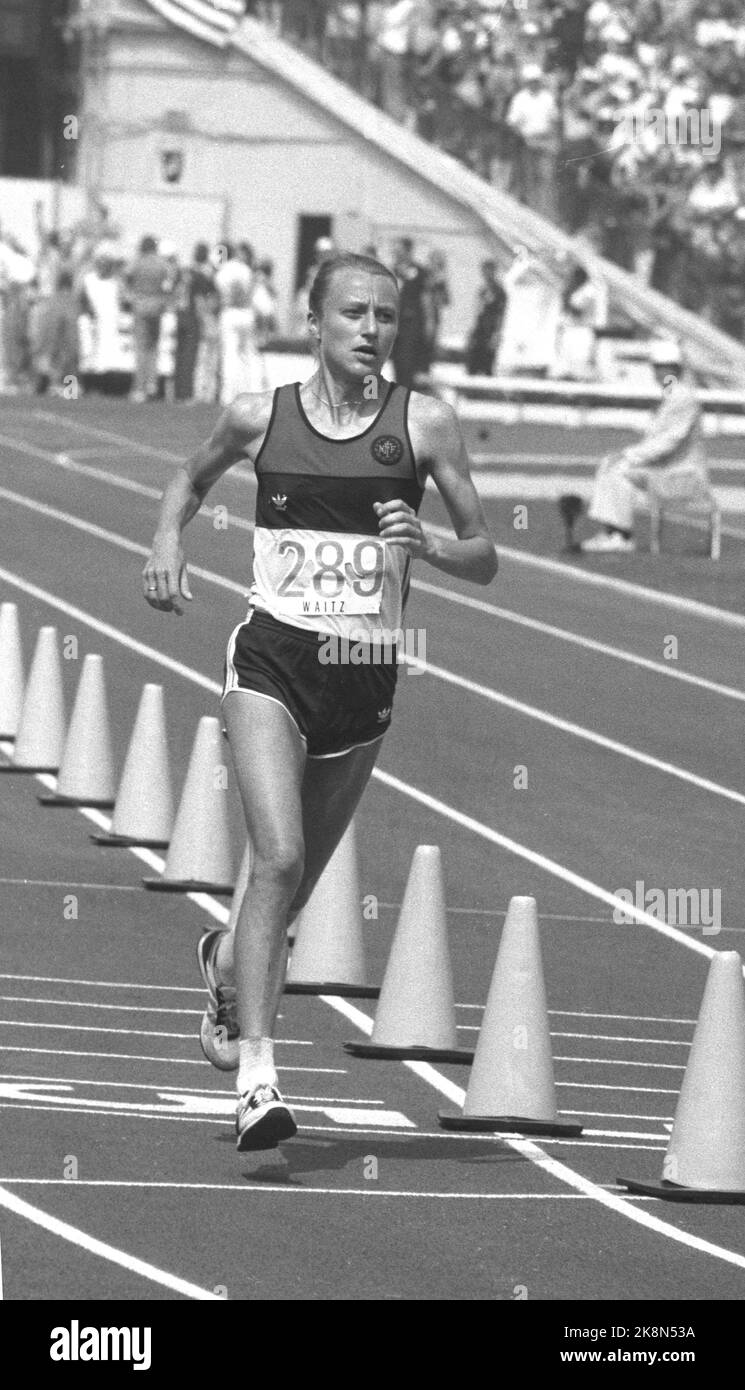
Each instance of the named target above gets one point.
<point>399,524</point>
<point>164,579</point>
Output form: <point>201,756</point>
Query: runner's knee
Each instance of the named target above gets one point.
<point>280,864</point>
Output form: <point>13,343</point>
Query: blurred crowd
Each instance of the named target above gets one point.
<point>79,308</point>
<point>624,121</point>
<point>78,312</point>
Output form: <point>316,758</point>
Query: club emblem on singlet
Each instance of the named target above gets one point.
<point>387,449</point>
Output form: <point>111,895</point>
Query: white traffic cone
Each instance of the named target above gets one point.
<point>86,775</point>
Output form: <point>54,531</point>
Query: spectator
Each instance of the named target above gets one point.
<point>16,277</point>
<point>672,448</point>
<point>713,194</point>
<point>241,368</point>
<point>207,370</point>
<point>264,302</point>
<point>585,313</point>
<point>399,24</point>
<point>412,353</point>
<point>148,280</point>
<point>534,117</point>
<point>197,281</point>
<point>101,306</point>
<point>532,315</point>
<point>63,333</point>
<point>439,289</point>
<point>482,340</point>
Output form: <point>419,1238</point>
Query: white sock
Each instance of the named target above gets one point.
<point>256,1064</point>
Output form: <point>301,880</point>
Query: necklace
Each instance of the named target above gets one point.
<point>334,405</point>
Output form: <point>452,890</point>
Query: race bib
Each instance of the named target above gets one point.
<point>337,574</point>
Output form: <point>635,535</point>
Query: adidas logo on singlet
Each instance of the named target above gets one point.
<point>384,714</point>
<point>280,501</point>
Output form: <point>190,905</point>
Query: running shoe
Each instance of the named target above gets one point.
<point>219,1032</point>
<point>263,1119</point>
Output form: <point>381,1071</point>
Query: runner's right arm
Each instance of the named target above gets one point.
<point>164,577</point>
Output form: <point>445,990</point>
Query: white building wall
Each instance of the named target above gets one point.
<point>256,155</point>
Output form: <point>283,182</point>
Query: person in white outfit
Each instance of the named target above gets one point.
<point>240,360</point>
<point>669,458</point>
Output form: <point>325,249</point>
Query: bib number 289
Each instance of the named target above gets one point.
<point>351,574</point>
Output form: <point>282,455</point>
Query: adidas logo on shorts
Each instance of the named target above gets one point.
<point>384,714</point>
<point>280,501</point>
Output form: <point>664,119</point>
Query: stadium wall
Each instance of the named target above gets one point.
<point>254,156</point>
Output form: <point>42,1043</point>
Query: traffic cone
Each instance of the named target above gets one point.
<point>40,735</point>
<point>199,858</point>
<point>143,812</point>
<point>11,671</point>
<point>705,1159</point>
<point>86,775</point>
<point>415,1017</point>
<point>511,1086</point>
<point>328,956</point>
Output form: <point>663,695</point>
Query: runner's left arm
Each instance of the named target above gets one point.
<point>438,442</point>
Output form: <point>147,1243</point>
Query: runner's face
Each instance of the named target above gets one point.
<point>357,327</point>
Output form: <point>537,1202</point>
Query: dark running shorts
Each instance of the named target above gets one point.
<point>336,705</point>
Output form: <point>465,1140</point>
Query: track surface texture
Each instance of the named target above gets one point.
<point>112,1122</point>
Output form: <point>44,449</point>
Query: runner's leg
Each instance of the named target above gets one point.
<point>330,792</point>
<point>332,788</point>
<point>269,758</point>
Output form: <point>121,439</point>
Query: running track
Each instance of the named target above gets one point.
<point>635,771</point>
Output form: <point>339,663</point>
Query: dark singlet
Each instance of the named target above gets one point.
<point>319,560</point>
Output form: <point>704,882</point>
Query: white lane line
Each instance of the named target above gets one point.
<point>93,1246</point>
<point>106,630</point>
<point>541,861</point>
<point>585,1013</point>
<point>97,433</point>
<point>349,1121</point>
<point>111,537</point>
<point>487,692</point>
<point>101,475</point>
<point>116,984</point>
<point>89,1004</point>
<point>567,726</point>
<point>552,1167</point>
<point>576,639</point>
<point>186,1090</point>
<point>124,1112</point>
<point>168,1061</point>
<point>437,590</point>
<point>424,1069</point>
<point>65,883</point>
<point>690,606</point>
<point>620,1115</point>
<point>128,1032</point>
<point>599,1037</point>
<point>550,866</point>
<point>612,1037</point>
<point>610,1086</point>
<point>621,1062</point>
<point>181,1102</point>
<point>248,1190</point>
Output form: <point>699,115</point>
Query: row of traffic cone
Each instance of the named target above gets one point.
<point>511,1085</point>
<point>32,718</point>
